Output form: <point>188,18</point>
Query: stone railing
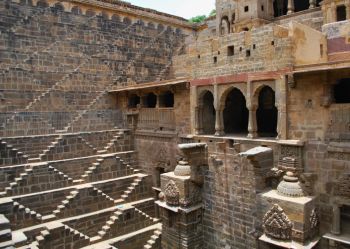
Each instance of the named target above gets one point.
<point>156,119</point>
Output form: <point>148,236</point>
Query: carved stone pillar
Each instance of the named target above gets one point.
<point>290,7</point>
<point>326,100</point>
<point>196,120</point>
<point>219,122</point>
<point>252,124</point>
<point>347,5</point>
<point>334,12</point>
<point>312,4</point>
<point>281,104</point>
<point>336,220</point>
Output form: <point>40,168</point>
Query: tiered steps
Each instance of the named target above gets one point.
<point>155,238</point>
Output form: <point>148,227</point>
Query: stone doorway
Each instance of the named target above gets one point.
<point>280,7</point>
<point>267,113</point>
<point>342,91</point>
<point>208,113</point>
<point>301,5</point>
<point>235,113</point>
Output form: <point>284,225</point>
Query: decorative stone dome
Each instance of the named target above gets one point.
<point>290,186</point>
<point>182,169</point>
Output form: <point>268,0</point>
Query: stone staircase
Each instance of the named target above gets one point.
<point>108,225</point>
<point>50,147</point>
<point>73,194</point>
<point>11,155</point>
<point>58,188</point>
<point>113,143</point>
<point>154,241</point>
<point>16,187</point>
<point>26,211</point>
<point>89,107</point>
<point>92,169</point>
<point>127,193</point>
<point>5,233</point>
<point>168,65</point>
<point>148,217</point>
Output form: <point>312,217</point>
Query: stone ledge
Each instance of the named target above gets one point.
<point>343,238</point>
<point>289,244</point>
<point>178,208</point>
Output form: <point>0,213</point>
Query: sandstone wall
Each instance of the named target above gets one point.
<point>267,48</point>
<point>57,65</point>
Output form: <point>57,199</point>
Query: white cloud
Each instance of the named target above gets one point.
<point>183,8</point>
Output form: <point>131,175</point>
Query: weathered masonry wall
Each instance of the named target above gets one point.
<point>231,216</point>
<point>268,48</point>
<point>323,123</point>
<point>57,65</point>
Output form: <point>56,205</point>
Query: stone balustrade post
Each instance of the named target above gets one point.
<point>290,7</point>
<point>312,4</point>
<point>347,6</point>
<point>252,123</point>
<point>219,122</point>
<point>336,220</point>
<point>198,128</point>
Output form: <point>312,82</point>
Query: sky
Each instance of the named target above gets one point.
<point>183,8</point>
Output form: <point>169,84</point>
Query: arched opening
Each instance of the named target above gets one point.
<point>151,100</point>
<point>342,91</point>
<point>26,2</point>
<point>160,28</point>
<point>105,15</point>
<point>235,113</point>
<point>344,218</point>
<point>166,99</point>
<point>58,7</point>
<point>115,18</point>
<point>280,7</point>
<point>127,21</point>
<point>90,13</point>
<point>76,10</point>
<point>42,4</point>
<point>208,113</point>
<point>266,115</point>
<point>169,29</point>
<point>318,3</point>
<point>341,13</point>
<point>301,5</point>
<point>133,101</point>
<point>224,26</point>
